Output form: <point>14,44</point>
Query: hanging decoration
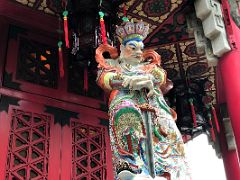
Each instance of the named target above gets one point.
<point>125,19</point>
<point>103,30</point>
<point>193,112</point>
<point>75,47</point>
<point>215,118</point>
<point>212,111</point>
<point>124,10</point>
<point>211,128</point>
<point>65,21</point>
<point>60,61</point>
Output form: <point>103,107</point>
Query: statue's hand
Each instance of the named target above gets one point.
<point>140,82</point>
<point>146,84</point>
<point>132,80</point>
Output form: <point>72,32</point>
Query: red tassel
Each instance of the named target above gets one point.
<point>211,129</point>
<point>215,119</point>
<point>103,30</point>
<point>193,113</point>
<point>124,10</point>
<point>65,20</point>
<point>60,61</point>
<point>85,86</point>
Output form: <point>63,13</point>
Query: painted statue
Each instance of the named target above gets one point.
<point>145,141</point>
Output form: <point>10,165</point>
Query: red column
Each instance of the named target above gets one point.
<point>229,66</point>
<point>230,158</point>
<point>230,69</point>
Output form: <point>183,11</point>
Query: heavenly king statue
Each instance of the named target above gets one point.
<point>145,141</point>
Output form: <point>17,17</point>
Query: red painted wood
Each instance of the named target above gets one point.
<point>34,110</point>
<point>4,135</point>
<point>229,66</point>
<point>66,152</point>
<point>60,148</point>
<point>54,154</point>
<point>3,44</point>
<point>228,24</point>
<point>92,123</point>
<point>52,94</point>
<point>54,140</point>
<point>60,93</point>
<point>33,97</point>
<point>53,102</point>
<point>220,93</point>
<point>110,169</point>
<point>230,158</point>
<point>231,164</point>
<point>16,14</point>
<point>22,13</point>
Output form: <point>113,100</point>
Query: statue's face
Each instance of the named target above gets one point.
<point>132,52</point>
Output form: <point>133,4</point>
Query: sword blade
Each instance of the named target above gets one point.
<point>149,143</point>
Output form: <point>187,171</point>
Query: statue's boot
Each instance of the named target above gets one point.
<point>127,175</point>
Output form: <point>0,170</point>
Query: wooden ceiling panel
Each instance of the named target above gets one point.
<point>166,19</point>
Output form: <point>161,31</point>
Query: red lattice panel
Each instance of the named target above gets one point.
<point>89,152</point>
<point>28,146</point>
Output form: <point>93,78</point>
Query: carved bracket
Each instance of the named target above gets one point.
<point>211,16</point>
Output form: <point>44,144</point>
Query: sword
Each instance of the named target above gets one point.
<point>149,142</point>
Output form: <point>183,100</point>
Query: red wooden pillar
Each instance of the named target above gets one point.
<point>230,160</point>
<point>230,70</point>
<point>229,66</point>
<point>4,134</point>
<point>230,157</point>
